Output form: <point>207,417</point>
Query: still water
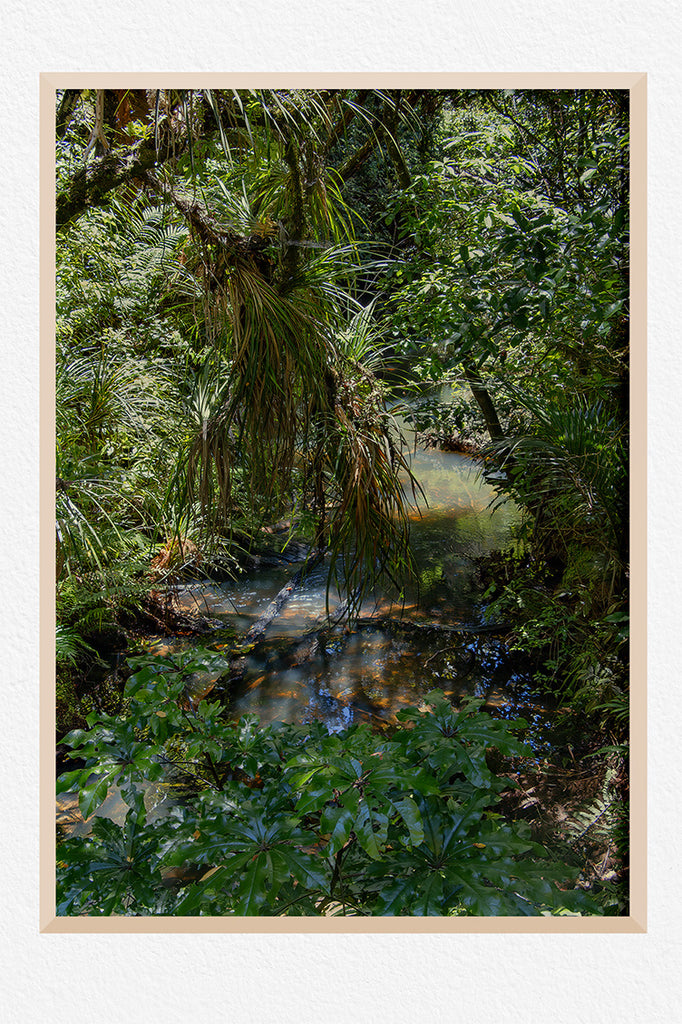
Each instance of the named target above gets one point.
<point>396,654</point>
<point>301,671</point>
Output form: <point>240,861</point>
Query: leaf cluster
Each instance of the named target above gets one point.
<point>292,820</point>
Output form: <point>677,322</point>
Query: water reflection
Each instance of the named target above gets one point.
<point>303,671</point>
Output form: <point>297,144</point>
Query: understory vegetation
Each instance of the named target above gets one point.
<point>290,819</point>
<point>253,287</point>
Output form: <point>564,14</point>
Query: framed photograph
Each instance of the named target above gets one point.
<point>343,455</point>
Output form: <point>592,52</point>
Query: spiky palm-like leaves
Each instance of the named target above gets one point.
<point>267,250</point>
<point>569,473</point>
<point>368,523</point>
<point>106,402</point>
<point>294,409</point>
<point>293,401</point>
<point>275,381</point>
<point>570,469</point>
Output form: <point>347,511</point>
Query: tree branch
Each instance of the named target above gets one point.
<point>93,182</point>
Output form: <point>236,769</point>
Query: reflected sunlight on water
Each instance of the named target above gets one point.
<point>301,672</point>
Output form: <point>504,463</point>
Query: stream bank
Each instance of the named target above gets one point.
<point>303,667</point>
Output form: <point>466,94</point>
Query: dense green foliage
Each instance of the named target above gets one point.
<point>293,820</point>
<point>239,277</point>
<point>515,291</point>
<point>213,361</point>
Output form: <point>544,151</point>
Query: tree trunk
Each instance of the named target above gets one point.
<point>485,403</point>
<point>67,105</point>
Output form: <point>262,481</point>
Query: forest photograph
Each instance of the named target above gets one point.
<point>342,464</point>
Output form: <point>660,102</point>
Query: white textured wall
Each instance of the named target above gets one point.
<point>500,978</point>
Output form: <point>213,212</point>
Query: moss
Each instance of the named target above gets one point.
<point>69,714</point>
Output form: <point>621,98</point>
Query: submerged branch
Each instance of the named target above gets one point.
<point>274,608</point>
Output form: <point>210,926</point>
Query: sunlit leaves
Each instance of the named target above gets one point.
<point>289,819</point>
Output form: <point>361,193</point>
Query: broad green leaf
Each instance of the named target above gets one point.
<point>251,893</point>
<point>310,871</point>
<point>429,898</point>
<point>314,799</point>
<point>409,812</point>
<point>338,821</point>
<point>95,793</point>
<point>371,827</point>
<point>71,780</point>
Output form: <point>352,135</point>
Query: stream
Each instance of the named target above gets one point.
<point>396,654</point>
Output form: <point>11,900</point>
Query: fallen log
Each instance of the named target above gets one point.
<point>257,630</point>
<point>274,608</point>
<point>304,647</point>
<point>298,650</point>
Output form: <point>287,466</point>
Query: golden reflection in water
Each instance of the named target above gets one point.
<point>367,674</point>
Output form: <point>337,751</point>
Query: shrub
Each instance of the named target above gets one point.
<point>292,820</point>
